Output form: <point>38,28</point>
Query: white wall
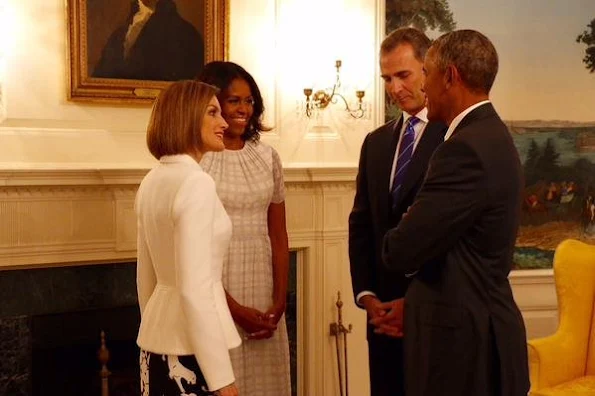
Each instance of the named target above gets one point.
<point>286,44</point>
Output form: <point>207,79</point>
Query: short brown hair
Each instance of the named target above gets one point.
<point>176,119</point>
<point>472,53</point>
<point>407,35</point>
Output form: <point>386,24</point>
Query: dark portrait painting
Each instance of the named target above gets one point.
<point>152,40</point>
<point>130,49</point>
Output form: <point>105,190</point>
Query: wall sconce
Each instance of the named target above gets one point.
<point>322,98</point>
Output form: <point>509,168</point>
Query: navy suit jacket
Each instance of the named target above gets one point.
<point>372,216</point>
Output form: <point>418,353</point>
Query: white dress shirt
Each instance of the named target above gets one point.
<point>183,235</point>
<point>419,130</point>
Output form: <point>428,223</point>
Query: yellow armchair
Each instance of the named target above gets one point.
<point>563,364</point>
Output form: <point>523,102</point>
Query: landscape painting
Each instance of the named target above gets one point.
<point>559,163</point>
<point>545,93</point>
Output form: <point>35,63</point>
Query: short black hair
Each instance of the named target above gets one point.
<point>472,53</point>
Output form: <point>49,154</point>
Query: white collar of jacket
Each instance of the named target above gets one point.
<point>178,159</point>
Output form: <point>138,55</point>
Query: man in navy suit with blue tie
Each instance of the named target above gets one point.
<point>392,166</point>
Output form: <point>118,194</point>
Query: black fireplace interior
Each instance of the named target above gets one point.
<point>50,325</point>
<point>64,351</point>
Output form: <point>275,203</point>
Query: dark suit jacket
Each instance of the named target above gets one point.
<point>168,48</point>
<point>464,334</point>
<point>372,216</point>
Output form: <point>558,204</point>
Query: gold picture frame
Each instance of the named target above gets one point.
<point>99,31</point>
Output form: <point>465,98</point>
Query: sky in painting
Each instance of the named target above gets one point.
<point>542,76</point>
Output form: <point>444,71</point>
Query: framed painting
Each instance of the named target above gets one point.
<point>558,200</point>
<point>545,95</point>
<point>126,51</point>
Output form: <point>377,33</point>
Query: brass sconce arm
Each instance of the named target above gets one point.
<point>322,98</point>
<point>355,113</point>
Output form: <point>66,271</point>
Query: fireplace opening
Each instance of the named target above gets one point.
<point>65,346</point>
<point>50,325</point>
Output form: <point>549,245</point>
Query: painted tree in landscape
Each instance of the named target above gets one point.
<point>531,163</point>
<point>588,38</point>
<point>547,165</point>
<point>542,163</point>
<point>422,14</point>
<point>584,171</point>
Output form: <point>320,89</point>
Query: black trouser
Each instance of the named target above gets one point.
<point>386,365</point>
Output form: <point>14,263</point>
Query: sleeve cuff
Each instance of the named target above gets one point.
<point>361,294</point>
<point>219,380</point>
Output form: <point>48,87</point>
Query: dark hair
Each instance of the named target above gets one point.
<point>177,116</point>
<point>407,35</point>
<point>221,75</point>
<point>472,53</point>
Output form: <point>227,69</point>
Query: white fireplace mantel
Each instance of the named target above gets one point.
<point>69,215</point>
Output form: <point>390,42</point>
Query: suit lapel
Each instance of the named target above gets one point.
<point>386,153</point>
<point>432,136</point>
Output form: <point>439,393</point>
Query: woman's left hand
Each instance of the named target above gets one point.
<point>272,316</point>
<point>274,313</point>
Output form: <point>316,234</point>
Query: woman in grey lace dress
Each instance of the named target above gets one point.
<point>249,181</point>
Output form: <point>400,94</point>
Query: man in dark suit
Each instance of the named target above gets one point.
<point>392,165</point>
<point>156,43</point>
<point>464,334</point>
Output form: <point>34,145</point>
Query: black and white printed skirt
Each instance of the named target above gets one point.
<point>169,375</point>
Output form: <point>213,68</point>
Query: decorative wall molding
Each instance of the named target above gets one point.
<point>70,177</point>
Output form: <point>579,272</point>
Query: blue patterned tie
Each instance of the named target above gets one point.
<point>405,152</point>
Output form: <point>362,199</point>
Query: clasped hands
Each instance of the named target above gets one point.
<point>259,325</point>
<point>387,318</point>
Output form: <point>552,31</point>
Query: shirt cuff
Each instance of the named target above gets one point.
<point>361,294</point>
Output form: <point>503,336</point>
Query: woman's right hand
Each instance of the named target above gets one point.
<point>229,390</point>
<point>253,322</point>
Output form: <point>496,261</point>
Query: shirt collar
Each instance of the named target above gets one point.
<point>422,115</point>
<point>457,120</point>
<point>143,9</point>
<point>178,159</point>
